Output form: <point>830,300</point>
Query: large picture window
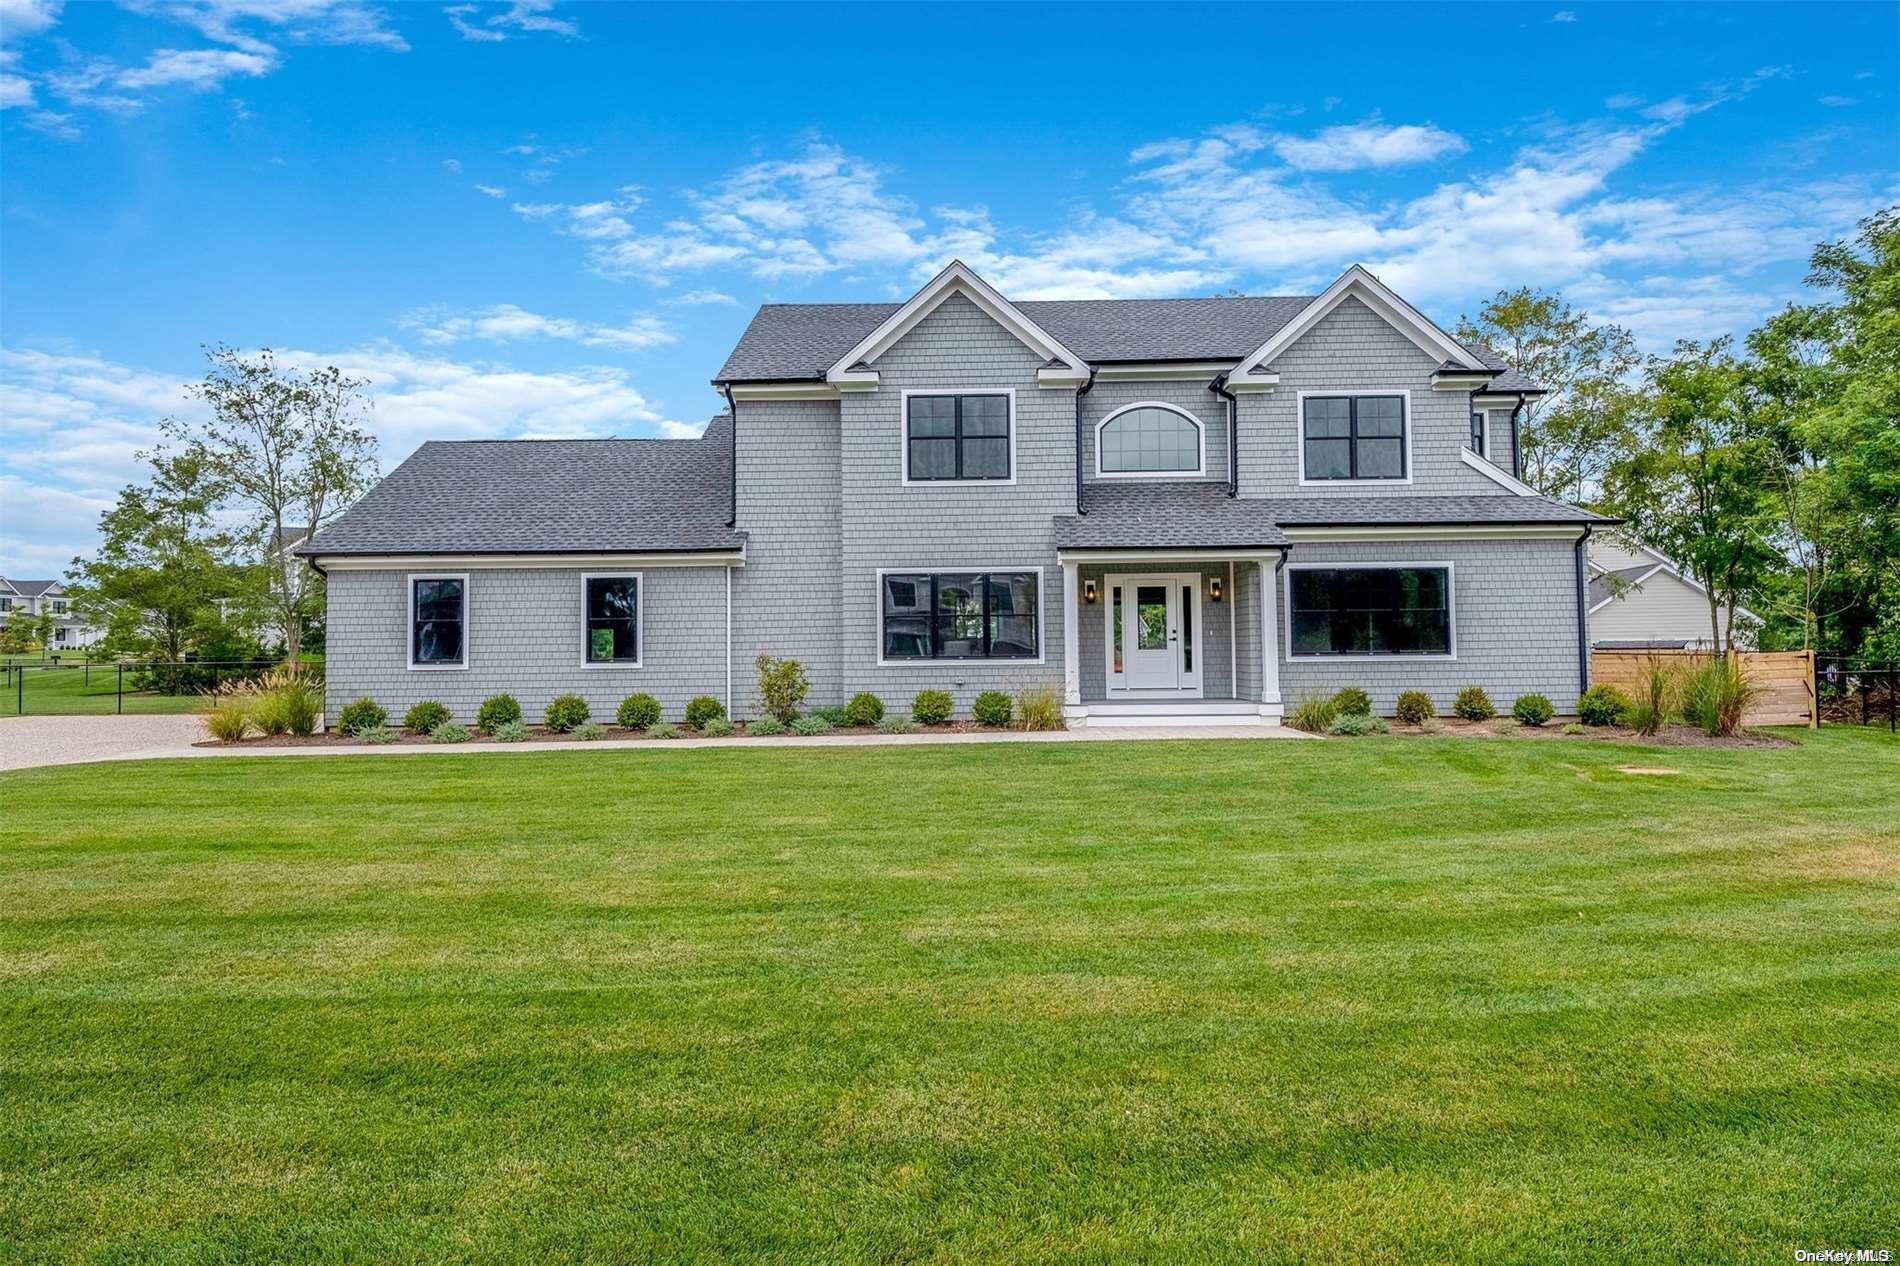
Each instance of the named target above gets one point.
<point>613,619</point>
<point>960,615</point>
<point>438,621</point>
<point>1369,610</point>
<point>1353,437</point>
<point>1149,439</point>
<point>957,437</point>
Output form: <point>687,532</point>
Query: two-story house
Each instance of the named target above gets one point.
<point>1182,509</point>
<point>48,597</point>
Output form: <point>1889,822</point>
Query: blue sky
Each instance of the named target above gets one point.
<point>521,219</point>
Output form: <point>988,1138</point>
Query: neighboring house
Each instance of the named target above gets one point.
<point>36,597</point>
<point>1641,600</point>
<point>1179,509</point>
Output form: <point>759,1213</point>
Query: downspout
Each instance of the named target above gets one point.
<point>1219,388</point>
<point>1583,628</point>
<point>1517,450</point>
<point>732,515</point>
<point>1083,390</point>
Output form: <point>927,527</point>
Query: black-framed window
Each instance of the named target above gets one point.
<point>961,615</point>
<point>438,620</point>
<point>613,619</point>
<point>1354,437</point>
<point>1149,440</point>
<point>957,437</point>
<point>1477,434</point>
<point>1370,610</point>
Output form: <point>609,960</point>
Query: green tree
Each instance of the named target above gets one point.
<point>162,563</point>
<point>288,449</point>
<point>18,637</point>
<point>1689,477</point>
<point>1568,438</point>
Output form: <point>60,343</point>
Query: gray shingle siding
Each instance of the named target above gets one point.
<point>524,634</point>
<point>1352,348</point>
<point>1515,621</point>
<point>1107,397</point>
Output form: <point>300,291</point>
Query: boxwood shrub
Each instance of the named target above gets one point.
<point>425,717</point>
<point>992,708</point>
<point>931,707</point>
<point>364,714</point>
<point>1414,707</point>
<point>1473,704</point>
<point>565,712</point>
<point>865,708</point>
<point>704,708</point>
<point>1352,702</point>
<point>1602,704</point>
<point>638,711</point>
<point>497,710</point>
<point>1533,709</point>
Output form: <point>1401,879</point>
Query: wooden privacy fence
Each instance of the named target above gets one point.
<point>1784,680</point>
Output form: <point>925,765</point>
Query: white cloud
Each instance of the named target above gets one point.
<point>20,19</point>
<point>1834,101</point>
<point>201,69</point>
<point>492,191</point>
<point>459,15</point>
<point>16,91</point>
<point>504,323</point>
<point>682,430</point>
<point>453,166</point>
<point>1564,15</point>
<point>1622,101</point>
<point>523,17</point>
<point>707,298</point>
<point>1370,144</point>
<point>233,22</point>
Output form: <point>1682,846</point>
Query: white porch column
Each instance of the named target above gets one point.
<point>1072,707</point>
<point>1271,709</point>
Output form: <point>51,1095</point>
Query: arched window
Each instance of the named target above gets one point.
<point>1149,439</point>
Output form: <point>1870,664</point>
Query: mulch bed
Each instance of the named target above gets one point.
<point>536,734</point>
<point>1668,736</point>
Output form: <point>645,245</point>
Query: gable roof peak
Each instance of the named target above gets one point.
<point>1359,282</point>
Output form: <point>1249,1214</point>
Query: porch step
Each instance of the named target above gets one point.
<point>1176,712</point>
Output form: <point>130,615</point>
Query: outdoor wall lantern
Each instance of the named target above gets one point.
<point>1088,592</point>
<point>1214,589</point>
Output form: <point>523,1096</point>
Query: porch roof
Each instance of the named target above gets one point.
<point>1170,514</point>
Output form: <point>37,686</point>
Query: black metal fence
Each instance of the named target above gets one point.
<point>1853,690</point>
<point>43,688</point>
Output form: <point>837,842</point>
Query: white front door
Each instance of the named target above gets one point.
<point>1154,635</point>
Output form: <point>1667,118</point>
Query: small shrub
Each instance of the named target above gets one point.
<point>1313,714</point>
<point>718,727</point>
<point>497,710</point>
<point>1575,727</point>
<point>833,713</point>
<point>1473,704</point>
<point>1415,707</point>
<point>1355,724</point>
<point>270,713</point>
<point>377,734</point>
<point>765,727</point>
<point>664,730</point>
<point>638,711</point>
<point>895,724</point>
<point>425,716</point>
<point>565,712</point>
<point>703,708</point>
<point>449,732</point>
<point>782,686</point>
<point>992,707</point>
<point>1715,696</point>
<point>1533,709</point>
<point>1352,701</point>
<point>865,708</point>
<point>229,719</point>
<point>590,731</point>
<point>1509,724</point>
<point>361,715</point>
<point>931,707</point>
<point>1431,725</point>
<point>508,732</point>
<point>809,726</point>
<point>1039,708</point>
<point>1602,704</point>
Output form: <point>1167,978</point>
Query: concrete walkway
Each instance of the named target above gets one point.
<point>27,742</point>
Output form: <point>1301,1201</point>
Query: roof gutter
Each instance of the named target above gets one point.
<point>732,517</point>
<point>1583,617</point>
<point>1081,391</point>
<point>1517,450</point>
<point>1219,388</point>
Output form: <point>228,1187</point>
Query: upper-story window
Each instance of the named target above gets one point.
<point>1477,433</point>
<point>958,437</point>
<point>1149,439</point>
<point>59,606</point>
<point>1353,437</point>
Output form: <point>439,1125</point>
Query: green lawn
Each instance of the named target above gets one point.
<point>1374,1000</point>
<point>73,689</point>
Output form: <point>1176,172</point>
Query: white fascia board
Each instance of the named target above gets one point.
<point>784,391</point>
<point>1495,474</point>
<point>1161,557</point>
<point>1429,532</point>
<point>1155,371</point>
<point>1502,397</point>
<point>1460,382</point>
<point>427,562</point>
<point>1356,282</point>
<point>956,278</point>
<point>1252,384</point>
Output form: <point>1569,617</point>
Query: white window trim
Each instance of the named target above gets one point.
<point>639,619</point>
<point>1349,564</point>
<point>940,569</point>
<point>1200,445</point>
<point>903,437</point>
<point>1405,419</point>
<point>409,629</point>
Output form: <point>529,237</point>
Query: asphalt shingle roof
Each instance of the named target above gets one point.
<point>800,341</point>
<point>1505,508</point>
<point>31,588</point>
<point>1166,515</point>
<point>546,497</point>
<point>1600,585</point>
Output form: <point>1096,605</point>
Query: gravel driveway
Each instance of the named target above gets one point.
<point>29,741</point>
